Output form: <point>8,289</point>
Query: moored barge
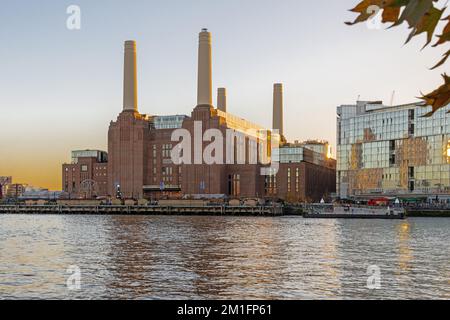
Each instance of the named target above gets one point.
<point>353,212</point>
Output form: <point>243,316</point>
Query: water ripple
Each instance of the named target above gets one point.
<point>137,257</point>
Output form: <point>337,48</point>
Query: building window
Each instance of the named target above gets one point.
<point>166,150</point>
<point>84,168</point>
<point>234,185</point>
<point>411,186</point>
<point>237,185</point>
<point>270,184</point>
<point>273,183</point>
<point>289,180</point>
<point>167,171</point>
<point>297,180</point>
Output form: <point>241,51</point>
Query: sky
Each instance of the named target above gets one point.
<point>60,88</point>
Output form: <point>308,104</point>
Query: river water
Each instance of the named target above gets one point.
<point>139,257</point>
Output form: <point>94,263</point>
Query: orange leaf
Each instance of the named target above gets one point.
<point>439,98</point>
<point>445,36</point>
<point>428,24</point>
<point>444,59</point>
<point>391,14</point>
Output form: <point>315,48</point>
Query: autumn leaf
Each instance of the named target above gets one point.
<point>444,59</point>
<point>414,11</point>
<point>445,36</point>
<point>391,10</point>
<point>364,9</point>
<point>427,24</point>
<point>391,14</point>
<point>439,98</point>
<point>422,17</point>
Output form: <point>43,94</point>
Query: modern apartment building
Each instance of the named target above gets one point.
<point>392,151</point>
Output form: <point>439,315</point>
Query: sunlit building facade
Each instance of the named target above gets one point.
<point>140,162</point>
<point>4,182</point>
<point>322,147</point>
<point>392,150</point>
<point>15,190</point>
<point>304,175</point>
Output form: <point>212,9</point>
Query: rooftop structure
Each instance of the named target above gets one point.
<point>100,156</point>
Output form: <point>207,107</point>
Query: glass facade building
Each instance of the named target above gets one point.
<point>290,154</point>
<point>168,122</point>
<point>392,150</point>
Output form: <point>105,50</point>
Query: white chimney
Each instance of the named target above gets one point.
<point>130,77</point>
<point>204,85</point>
<point>278,108</point>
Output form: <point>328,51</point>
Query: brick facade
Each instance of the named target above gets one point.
<point>140,165</point>
<point>87,178</point>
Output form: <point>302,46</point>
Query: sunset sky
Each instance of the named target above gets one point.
<point>59,89</point>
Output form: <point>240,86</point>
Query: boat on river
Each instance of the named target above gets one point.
<point>347,211</point>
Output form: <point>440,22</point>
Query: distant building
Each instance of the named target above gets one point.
<point>87,175</point>
<point>33,193</point>
<point>15,190</point>
<point>4,182</point>
<point>304,175</point>
<point>392,151</point>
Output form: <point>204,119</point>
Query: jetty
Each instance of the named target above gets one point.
<point>216,210</point>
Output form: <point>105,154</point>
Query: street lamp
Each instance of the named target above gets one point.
<point>118,192</point>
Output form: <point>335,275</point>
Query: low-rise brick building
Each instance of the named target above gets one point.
<point>87,175</point>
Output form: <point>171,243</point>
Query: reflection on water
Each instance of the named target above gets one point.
<point>405,253</point>
<point>137,257</point>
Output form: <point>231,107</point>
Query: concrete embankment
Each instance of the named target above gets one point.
<point>144,210</point>
<point>419,213</point>
<point>219,210</point>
